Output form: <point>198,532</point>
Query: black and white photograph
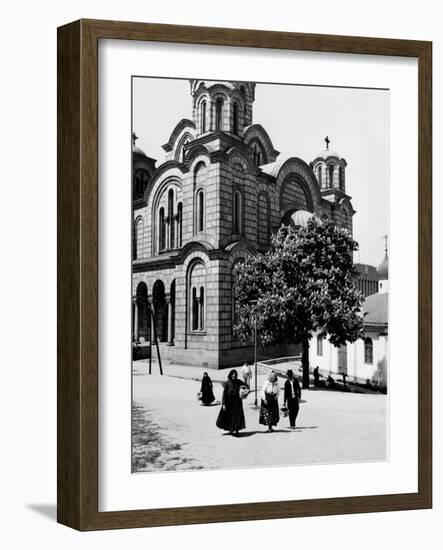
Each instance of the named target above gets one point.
<point>260,274</point>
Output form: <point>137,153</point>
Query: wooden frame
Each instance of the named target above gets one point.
<point>77,458</point>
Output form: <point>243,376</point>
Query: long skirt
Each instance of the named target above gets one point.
<point>207,396</point>
<point>269,415</point>
<point>233,418</point>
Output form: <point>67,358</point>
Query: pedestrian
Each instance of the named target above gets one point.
<point>269,414</point>
<point>292,395</point>
<point>246,374</point>
<point>206,391</point>
<point>231,417</point>
<point>316,377</point>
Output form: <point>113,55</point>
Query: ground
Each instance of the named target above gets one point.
<point>172,431</point>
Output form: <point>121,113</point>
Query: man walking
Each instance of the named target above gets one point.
<point>292,395</point>
<point>246,374</point>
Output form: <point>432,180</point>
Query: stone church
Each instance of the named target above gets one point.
<point>217,197</point>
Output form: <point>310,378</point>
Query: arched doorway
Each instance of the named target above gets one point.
<point>140,320</point>
<point>160,311</point>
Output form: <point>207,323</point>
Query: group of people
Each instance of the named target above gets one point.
<point>231,417</point>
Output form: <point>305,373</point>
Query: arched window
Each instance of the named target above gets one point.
<point>319,346</point>
<point>263,219</point>
<point>200,211</point>
<point>203,116</point>
<point>331,175</point>
<point>179,224</point>
<point>170,218</point>
<point>219,114</point>
<point>138,249</point>
<point>235,118</point>
<point>369,351</point>
<point>201,324</point>
<point>194,319</point>
<point>319,177</point>
<point>161,230</point>
<point>257,155</point>
<point>237,213</point>
<point>197,285</point>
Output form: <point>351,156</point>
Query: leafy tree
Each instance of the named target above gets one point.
<point>303,284</point>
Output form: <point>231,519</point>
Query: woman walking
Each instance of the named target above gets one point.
<point>208,396</point>
<point>269,415</point>
<point>231,417</point>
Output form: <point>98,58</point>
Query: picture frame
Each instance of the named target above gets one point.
<point>77,277</point>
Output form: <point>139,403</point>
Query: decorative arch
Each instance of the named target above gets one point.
<point>185,126</point>
<point>179,153</point>
<point>297,170</point>
<point>257,134</point>
<point>295,194</point>
<point>196,295</point>
<point>163,208</point>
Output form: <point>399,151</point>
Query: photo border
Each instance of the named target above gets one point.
<point>77,276</point>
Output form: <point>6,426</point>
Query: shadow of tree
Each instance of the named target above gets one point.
<point>151,449</point>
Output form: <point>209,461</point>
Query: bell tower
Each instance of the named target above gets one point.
<point>222,106</point>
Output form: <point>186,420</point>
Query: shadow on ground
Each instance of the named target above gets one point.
<point>48,511</point>
<point>151,449</point>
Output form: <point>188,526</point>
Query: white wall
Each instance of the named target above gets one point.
<point>356,366</point>
<point>27,174</point>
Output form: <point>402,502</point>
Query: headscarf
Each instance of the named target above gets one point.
<point>272,376</point>
<point>231,373</point>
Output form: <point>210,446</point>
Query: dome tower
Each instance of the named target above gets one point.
<point>329,169</point>
<point>222,106</point>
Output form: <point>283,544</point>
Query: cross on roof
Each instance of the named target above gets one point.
<point>385,238</point>
<point>134,138</point>
<point>327,141</point>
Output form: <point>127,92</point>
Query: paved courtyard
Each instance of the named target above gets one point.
<point>172,431</point>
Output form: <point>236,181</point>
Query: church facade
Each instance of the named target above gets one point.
<point>217,197</point>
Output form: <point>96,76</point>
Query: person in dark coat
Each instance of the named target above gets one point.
<point>292,395</point>
<point>231,417</point>
<point>208,396</point>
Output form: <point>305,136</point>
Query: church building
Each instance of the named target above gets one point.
<point>217,197</point>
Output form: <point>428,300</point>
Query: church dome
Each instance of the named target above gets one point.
<point>137,151</point>
<point>300,218</point>
<point>383,268</point>
<point>326,153</point>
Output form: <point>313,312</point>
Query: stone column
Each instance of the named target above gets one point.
<point>170,320</point>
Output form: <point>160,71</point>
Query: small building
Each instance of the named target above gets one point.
<point>364,361</point>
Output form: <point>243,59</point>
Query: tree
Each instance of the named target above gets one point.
<point>304,284</point>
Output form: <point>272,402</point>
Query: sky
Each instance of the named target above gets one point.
<point>297,119</point>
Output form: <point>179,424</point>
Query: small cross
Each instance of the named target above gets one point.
<point>385,238</point>
<point>327,141</point>
<point>134,138</point>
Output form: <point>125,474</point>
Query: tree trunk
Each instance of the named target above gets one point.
<point>305,363</point>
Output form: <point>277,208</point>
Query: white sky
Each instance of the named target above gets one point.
<point>297,118</point>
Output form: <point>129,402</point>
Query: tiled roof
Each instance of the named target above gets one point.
<point>375,309</point>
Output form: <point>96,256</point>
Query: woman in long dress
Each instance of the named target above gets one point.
<point>231,417</point>
<point>269,415</point>
<point>208,396</point>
